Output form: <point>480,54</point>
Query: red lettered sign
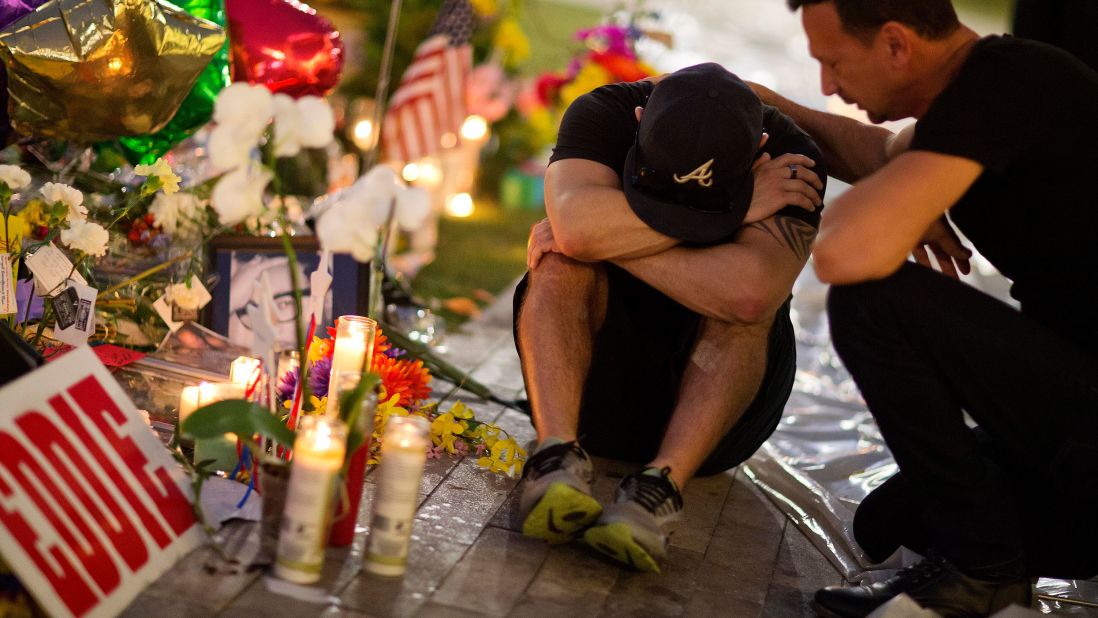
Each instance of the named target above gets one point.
<point>92,506</point>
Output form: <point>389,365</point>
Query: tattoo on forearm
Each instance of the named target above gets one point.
<point>791,232</point>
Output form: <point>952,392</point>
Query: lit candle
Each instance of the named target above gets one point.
<point>243,371</point>
<point>319,450</point>
<point>221,449</point>
<point>403,457</point>
<point>354,345</point>
<point>188,401</point>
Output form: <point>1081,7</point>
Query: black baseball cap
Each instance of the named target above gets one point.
<point>688,175</point>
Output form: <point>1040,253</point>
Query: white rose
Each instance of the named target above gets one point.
<point>14,177</point>
<point>413,206</point>
<point>85,236</point>
<point>339,232</point>
<point>229,149</point>
<point>318,126</point>
<point>238,195</point>
<point>245,108</point>
<point>176,213</point>
<point>186,297</point>
<point>54,192</point>
<point>288,126</point>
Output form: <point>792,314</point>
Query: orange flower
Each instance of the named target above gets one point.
<point>409,379</point>
<point>381,343</point>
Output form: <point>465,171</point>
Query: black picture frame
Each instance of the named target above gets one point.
<point>237,261</point>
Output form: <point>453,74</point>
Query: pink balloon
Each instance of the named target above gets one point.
<point>284,45</point>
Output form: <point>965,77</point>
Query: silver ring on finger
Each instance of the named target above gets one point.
<point>792,172</point>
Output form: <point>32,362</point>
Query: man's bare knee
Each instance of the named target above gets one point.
<point>558,281</point>
<point>719,341</point>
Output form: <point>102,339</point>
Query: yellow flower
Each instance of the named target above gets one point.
<point>462,411</point>
<point>487,434</point>
<point>444,429</point>
<point>162,172</point>
<point>318,349</point>
<point>485,8</point>
<point>591,76</point>
<point>387,407</point>
<point>34,215</point>
<point>511,41</point>
<point>506,457</point>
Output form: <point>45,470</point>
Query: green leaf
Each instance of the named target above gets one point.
<point>243,418</point>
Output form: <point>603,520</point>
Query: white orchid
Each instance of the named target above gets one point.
<point>246,109</point>
<point>355,216</point>
<point>86,236</point>
<point>238,195</point>
<point>341,231</point>
<point>179,213</point>
<point>14,177</point>
<point>307,122</point>
<point>229,149</point>
<point>56,192</point>
<point>413,206</point>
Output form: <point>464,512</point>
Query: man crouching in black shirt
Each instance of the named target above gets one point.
<point>653,324</point>
<point>1005,128</point>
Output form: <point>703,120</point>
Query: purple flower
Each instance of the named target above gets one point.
<point>286,385</point>
<point>319,376</point>
<point>395,352</point>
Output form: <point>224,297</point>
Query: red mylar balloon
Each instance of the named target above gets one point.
<point>284,45</point>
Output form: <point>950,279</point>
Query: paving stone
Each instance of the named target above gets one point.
<point>650,594</point>
<point>573,581</point>
<point>747,506</point>
<point>148,604</point>
<point>203,579</point>
<point>461,506</point>
<point>428,565</point>
<point>799,572</point>
<point>703,500</point>
<point>492,575</point>
<point>435,610</point>
<point>265,599</point>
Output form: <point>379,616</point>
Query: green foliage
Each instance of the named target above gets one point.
<point>243,418</point>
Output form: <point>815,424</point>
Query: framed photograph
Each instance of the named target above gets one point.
<point>240,261</point>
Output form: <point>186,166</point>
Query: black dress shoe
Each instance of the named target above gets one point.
<point>935,584</point>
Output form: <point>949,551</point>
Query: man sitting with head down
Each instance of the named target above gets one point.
<point>653,324</point>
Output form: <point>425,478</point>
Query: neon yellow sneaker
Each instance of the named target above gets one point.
<point>556,501</point>
<point>636,529</point>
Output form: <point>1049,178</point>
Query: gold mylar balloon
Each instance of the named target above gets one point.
<point>91,70</point>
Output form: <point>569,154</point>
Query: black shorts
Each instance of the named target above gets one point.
<point>639,357</point>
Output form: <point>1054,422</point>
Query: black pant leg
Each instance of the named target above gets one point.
<point>922,348</point>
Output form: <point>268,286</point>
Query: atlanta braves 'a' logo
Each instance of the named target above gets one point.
<point>702,174</point>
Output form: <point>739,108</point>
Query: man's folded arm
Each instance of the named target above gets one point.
<point>741,282</point>
<point>590,217</point>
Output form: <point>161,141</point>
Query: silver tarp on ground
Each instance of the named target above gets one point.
<point>827,453</point>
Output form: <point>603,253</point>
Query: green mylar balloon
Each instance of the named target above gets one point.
<point>197,109</point>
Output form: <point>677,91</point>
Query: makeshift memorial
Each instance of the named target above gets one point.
<point>394,508</point>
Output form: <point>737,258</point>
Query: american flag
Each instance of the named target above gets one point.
<point>430,101</point>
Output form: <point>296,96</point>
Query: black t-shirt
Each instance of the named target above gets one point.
<point>601,126</point>
<point>1028,112</point>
